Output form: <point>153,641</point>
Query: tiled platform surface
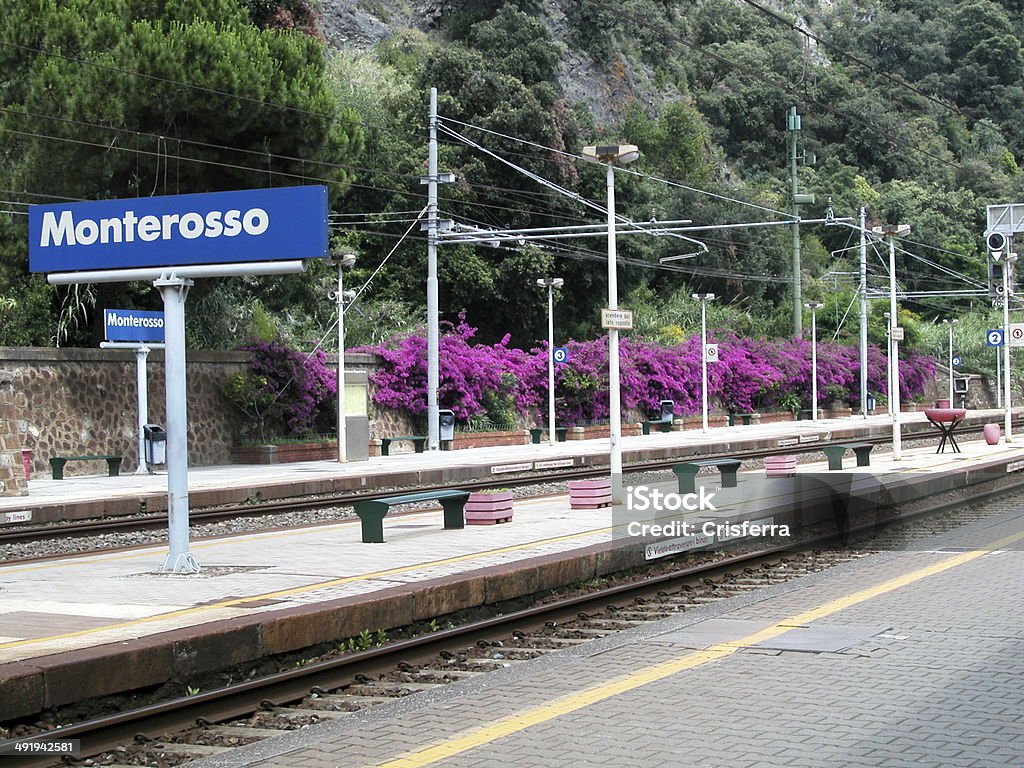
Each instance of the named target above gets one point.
<point>102,623</point>
<point>924,670</point>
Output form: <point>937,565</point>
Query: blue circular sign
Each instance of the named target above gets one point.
<point>957,361</point>
<point>994,338</point>
<point>560,354</point>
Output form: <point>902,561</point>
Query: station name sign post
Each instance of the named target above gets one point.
<point>141,331</point>
<point>170,241</point>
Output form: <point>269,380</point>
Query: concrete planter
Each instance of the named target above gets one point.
<point>992,433</point>
<point>590,494</point>
<point>284,453</point>
<point>489,508</point>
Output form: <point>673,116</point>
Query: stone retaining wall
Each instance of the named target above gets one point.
<point>83,401</point>
<point>12,475</point>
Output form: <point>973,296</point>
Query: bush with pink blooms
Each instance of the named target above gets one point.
<point>500,383</point>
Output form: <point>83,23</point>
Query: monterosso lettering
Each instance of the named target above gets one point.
<point>64,230</point>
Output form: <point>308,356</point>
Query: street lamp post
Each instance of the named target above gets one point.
<point>814,306</point>
<point>611,155</point>
<point>950,323</point>
<point>890,232</point>
<point>704,298</point>
<point>551,283</point>
<point>344,262</point>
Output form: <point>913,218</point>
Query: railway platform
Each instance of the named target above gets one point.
<point>899,659</point>
<point>99,624</point>
<point>98,495</point>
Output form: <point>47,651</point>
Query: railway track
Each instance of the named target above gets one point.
<point>183,729</point>
<point>22,533</point>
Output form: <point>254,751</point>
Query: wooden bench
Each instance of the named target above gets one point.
<point>835,454</point>
<point>418,443</point>
<point>662,425</point>
<point>805,414</point>
<point>686,472</point>
<point>536,432</point>
<point>371,513</point>
<point>57,464</point>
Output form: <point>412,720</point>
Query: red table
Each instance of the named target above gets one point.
<point>946,419</point>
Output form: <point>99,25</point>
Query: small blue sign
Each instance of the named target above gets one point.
<point>994,338</point>
<point>133,325</point>
<point>560,354</point>
<point>956,361</point>
<point>285,223</point>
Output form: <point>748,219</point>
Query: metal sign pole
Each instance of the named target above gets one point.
<point>174,291</point>
<point>143,395</point>
<point>1007,421</point>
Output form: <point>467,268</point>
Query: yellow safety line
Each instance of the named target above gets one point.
<point>575,701</point>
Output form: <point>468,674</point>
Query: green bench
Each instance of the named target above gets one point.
<point>57,464</point>
<point>663,426</point>
<point>371,513</point>
<point>745,417</point>
<point>536,432</point>
<point>805,414</point>
<point>835,454</point>
<point>686,472</point>
<point>418,443</point>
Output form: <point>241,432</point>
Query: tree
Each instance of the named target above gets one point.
<point>121,98</point>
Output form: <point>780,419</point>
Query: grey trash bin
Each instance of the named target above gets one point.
<point>668,408</point>
<point>446,424</point>
<point>156,443</point>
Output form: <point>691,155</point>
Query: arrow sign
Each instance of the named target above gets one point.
<point>994,338</point>
<point>560,354</point>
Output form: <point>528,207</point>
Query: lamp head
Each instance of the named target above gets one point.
<point>704,296</point>
<point>620,154</point>
<point>347,260</point>
<point>814,305</point>
<point>553,282</point>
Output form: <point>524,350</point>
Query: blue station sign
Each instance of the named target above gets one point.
<point>278,224</point>
<point>133,325</point>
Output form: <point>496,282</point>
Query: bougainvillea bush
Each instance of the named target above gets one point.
<point>286,393</point>
<point>751,375</point>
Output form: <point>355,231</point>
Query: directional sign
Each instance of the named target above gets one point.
<point>994,338</point>
<point>619,319</point>
<point>711,353</point>
<point>560,354</point>
<point>896,333</point>
<point>956,361</point>
<point>1017,334</point>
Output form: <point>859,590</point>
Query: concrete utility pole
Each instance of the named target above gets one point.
<point>433,326</point>
<point>796,199</point>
